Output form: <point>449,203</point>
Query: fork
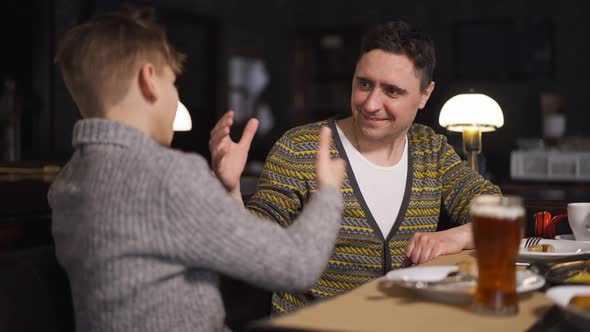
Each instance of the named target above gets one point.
<point>532,241</point>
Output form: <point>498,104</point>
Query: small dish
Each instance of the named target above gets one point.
<point>456,292</point>
<point>562,248</point>
<point>562,295</point>
<point>561,271</point>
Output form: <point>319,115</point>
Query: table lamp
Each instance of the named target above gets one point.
<point>182,120</point>
<point>471,114</point>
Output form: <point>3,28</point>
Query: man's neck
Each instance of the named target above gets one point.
<point>380,152</point>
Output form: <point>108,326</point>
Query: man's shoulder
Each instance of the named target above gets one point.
<point>299,143</point>
<point>302,138</point>
<point>307,132</point>
<point>421,131</point>
<point>424,137</point>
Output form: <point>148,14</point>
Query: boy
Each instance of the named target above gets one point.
<point>143,231</point>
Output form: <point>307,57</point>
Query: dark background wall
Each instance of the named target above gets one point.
<point>276,31</point>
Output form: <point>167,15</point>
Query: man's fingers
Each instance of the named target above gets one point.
<point>436,252</point>
<point>412,244</point>
<point>249,132</point>
<point>406,262</point>
<point>415,257</point>
<point>425,255</point>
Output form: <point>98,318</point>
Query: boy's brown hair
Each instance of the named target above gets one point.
<point>98,58</point>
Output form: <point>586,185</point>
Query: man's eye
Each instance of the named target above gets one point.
<point>364,84</point>
<point>392,92</point>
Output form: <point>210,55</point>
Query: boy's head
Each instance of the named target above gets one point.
<point>102,59</point>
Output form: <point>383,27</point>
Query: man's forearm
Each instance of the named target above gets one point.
<point>465,234</point>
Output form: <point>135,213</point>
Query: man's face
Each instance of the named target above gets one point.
<point>386,96</point>
<point>168,103</point>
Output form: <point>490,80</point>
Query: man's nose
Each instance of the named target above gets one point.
<point>374,101</point>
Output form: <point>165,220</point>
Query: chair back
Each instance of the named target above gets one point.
<point>34,292</point>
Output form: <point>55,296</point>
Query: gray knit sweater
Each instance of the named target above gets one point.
<point>143,232</point>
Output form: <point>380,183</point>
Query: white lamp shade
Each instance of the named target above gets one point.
<point>182,120</point>
<point>471,110</point>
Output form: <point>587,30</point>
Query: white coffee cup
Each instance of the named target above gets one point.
<point>578,215</point>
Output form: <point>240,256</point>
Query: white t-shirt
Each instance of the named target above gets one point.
<point>382,187</point>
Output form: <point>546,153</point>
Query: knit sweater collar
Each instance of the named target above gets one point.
<point>101,131</point>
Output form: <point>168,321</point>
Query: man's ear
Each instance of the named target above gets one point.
<point>147,84</point>
<point>425,95</point>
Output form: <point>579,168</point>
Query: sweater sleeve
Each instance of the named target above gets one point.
<point>460,184</point>
<point>205,228</point>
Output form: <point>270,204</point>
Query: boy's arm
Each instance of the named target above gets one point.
<point>284,185</point>
<point>206,229</point>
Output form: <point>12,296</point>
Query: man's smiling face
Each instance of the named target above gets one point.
<point>386,96</point>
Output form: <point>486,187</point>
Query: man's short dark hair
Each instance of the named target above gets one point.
<point>398,37</point>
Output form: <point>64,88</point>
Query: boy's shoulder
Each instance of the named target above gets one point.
<point>187,159</point>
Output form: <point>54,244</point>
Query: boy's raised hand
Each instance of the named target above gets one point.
<point>328,171</point>
<point>228,157</point>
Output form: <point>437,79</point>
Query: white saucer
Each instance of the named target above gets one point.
<point>562,248</point>
<point>569,237</point>
<point>457,292</point>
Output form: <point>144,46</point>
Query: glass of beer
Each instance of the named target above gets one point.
<point>497,230</point>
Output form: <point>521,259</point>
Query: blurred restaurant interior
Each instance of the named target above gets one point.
<point>290,62</point>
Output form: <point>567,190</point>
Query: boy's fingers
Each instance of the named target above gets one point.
<point>218,157</point>
<point>324,146</point>
<point>340,167</point>
<point>249,132</point>
<point>225,121</point>
<point>217,137</point>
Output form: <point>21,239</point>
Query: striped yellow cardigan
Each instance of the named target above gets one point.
<point>438,181</point>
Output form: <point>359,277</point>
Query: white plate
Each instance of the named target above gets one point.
<point>453,292</point>
<point>562,248</point>
<point>562,295</point>
<point>569,237</point>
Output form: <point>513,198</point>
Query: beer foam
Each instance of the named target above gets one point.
<point>497,211</point>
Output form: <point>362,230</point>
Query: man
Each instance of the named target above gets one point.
<point>144,231</point>
<point>401,176</point>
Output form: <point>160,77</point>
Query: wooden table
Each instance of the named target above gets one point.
<point>369,309</point>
